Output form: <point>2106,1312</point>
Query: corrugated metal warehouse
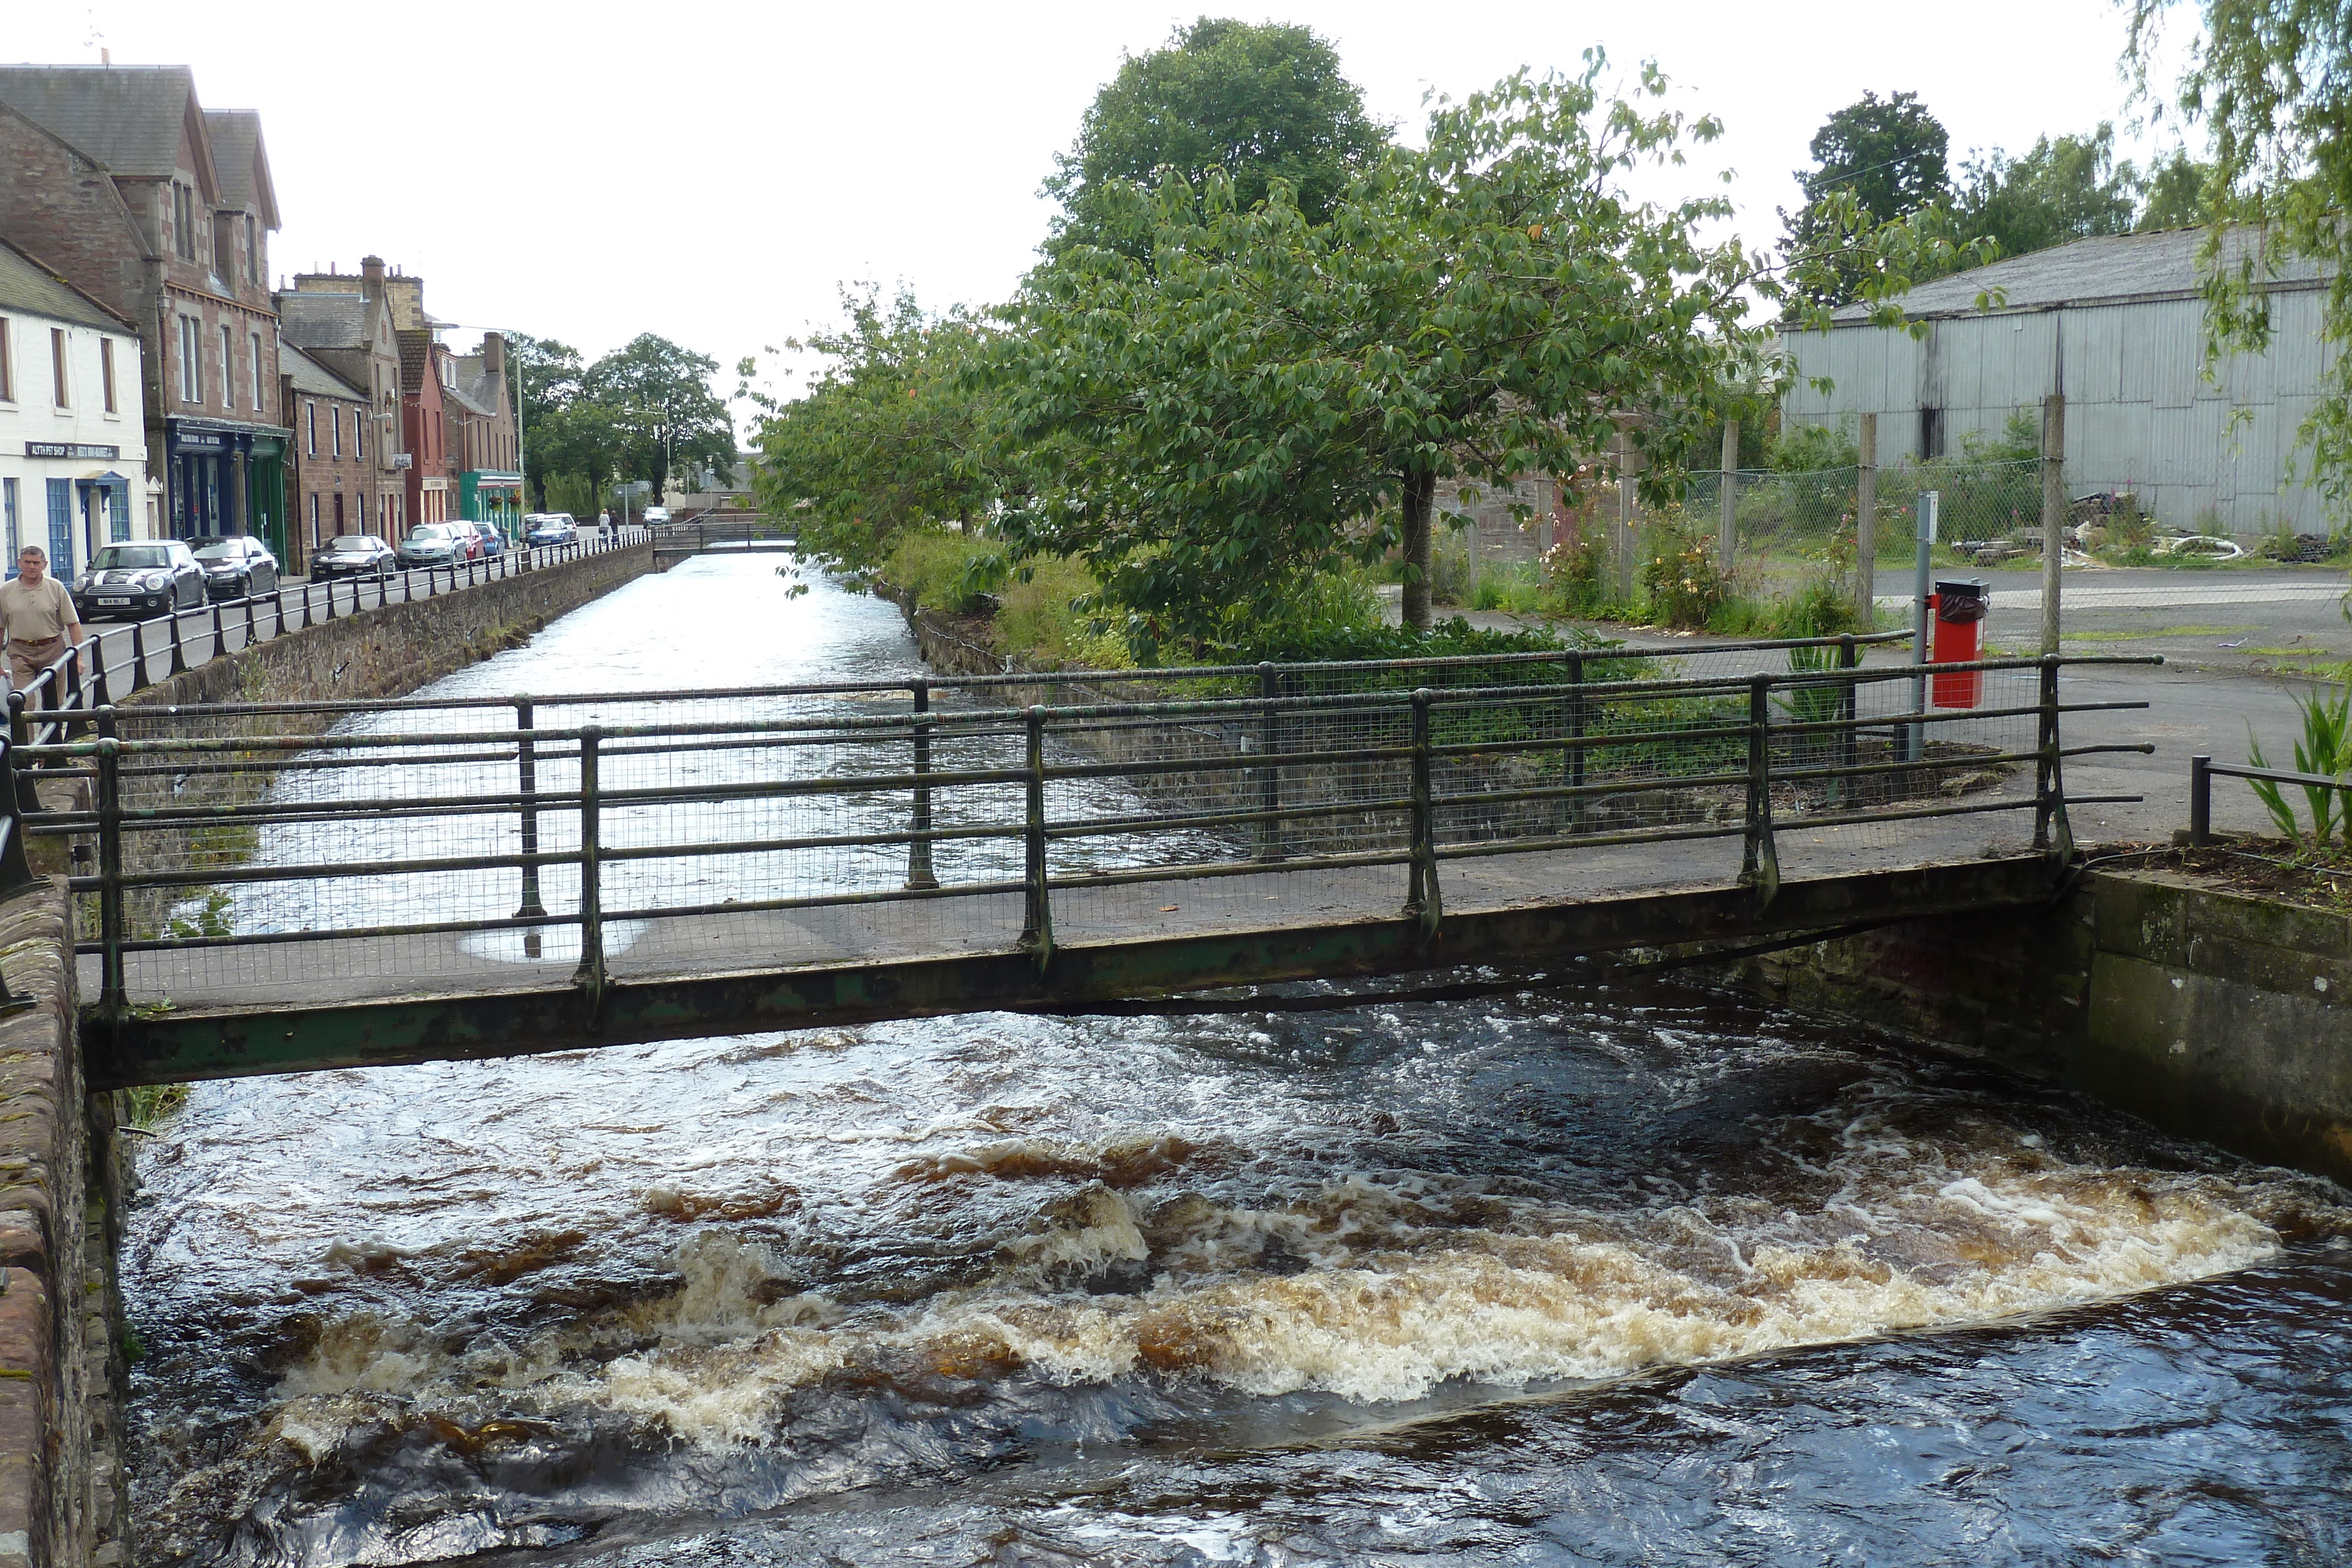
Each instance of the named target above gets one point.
<point>2116,325</point>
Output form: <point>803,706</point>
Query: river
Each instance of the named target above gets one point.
<point>1628,1275</point>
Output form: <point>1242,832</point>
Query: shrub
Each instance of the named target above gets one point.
<point>2324,748</point>
<point>1686,587</point>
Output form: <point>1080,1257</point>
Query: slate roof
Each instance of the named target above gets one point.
<point>28,286</point>
<point>323,320</point>
<point>241,161</point>
<point>2158,264</point>
<point>128,118</point>
<point>458,395</point>
<point>306,374</point>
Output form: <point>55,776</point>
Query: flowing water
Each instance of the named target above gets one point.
<point>1626,1275</point>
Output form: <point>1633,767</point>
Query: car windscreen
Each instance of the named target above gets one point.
<point>227,550</point>
<point>129,558</point>
<point>351,544</point>
<point>424,533</point>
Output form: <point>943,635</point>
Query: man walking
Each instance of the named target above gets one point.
<point>38,617</point>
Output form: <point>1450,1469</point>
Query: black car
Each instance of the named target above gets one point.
<point>128,582</point>
<point>238,566</point>
<point>354,555</point>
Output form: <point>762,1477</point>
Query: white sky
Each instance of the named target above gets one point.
<point>711,170</point>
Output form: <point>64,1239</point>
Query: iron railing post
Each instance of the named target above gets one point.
<point>179,647</point>
<point>527,786</point>
<point>1269,771</point>
<point>138,655</point>
<point>920,878</point>
<point>2200,801</point>
<point>1570,817</point>
<point>112,992</point>
<point>1422,901</point>
<point>589,977</point>
<point>1037,909</point>
<point>277,601</point>
<point>252,631</point>
<point>1760,858</point>
<point>20,734</point>
<point>1841,791</point>
<point>16,871</point>
<point>220,632</point>
<point>2052,832</point>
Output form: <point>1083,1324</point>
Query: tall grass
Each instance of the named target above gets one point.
<point>2324,748</point>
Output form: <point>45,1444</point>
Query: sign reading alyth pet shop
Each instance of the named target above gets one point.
<point>74,449</point>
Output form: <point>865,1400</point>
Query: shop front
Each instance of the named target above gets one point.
<point>78,503</point>
<point>492,495</point>
<point>226,478</point>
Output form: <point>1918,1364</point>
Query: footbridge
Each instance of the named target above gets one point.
<point>675,542</point>
<point>269,888</point>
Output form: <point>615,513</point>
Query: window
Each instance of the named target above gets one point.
<point>7,374</point>
<point>106,373</point>
<point>309,428</point>
<point>61,528</point>
<point>335,413</point>
<point>359,432</point>
<point>9,513</point>
<point>183,222</point>
<point>57,364</point>
<point>228,367</point>
<point>257,368</point>
<point>118,513</point>
<point>191,361</point>
<point>314,518</point>
<point>252,250</point>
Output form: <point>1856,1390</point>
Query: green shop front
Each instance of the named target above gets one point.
<point>224,477</point>
<point>491,496</point>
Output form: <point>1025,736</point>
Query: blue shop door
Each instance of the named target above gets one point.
<point>61,530</point>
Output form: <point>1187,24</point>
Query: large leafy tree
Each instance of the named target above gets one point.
<point>2271,80</point>
<point>663,402</point>
<point>1885,157</point>
<point>1247,398</point>
<point>549,375</point>
<point>2067,188</point>
<point>886,439</point>
<point>1262,103</point>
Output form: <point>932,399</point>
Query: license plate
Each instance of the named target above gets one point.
<point>105,600</point>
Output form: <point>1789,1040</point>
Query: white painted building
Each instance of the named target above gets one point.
<point>73,444</point>
<point>2116,324</point>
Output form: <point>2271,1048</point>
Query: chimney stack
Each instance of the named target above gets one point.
<point>494,353</point>
<point>371,275</point>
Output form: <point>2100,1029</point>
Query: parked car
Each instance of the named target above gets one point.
<point>494,543</point>
<point>551,529</point>
<point>468,542</point>
<point>354,555</point>
<point>655,515</point>
<point>126,581</point>
<point>432,544</point>
<point>238,566</point>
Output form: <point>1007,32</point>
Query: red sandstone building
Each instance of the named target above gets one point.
<point>344,322</point>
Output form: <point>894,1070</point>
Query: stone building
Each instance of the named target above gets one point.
<point>334,470</point>
<point>489,463</point>
<point>162,210</point>
<point>344,322</point>
<point>73,444</point>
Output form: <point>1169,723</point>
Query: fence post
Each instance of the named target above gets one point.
<point>1269,772</point>
<point>112,992</point>
<point>1422,902</point>
<point>1728,527</point>
<point>2051,830</point>
<point>1037,911</point>
<point>1629,464</point>
<point>22,797</point>
<point>919,875</point>
<point>527,785</point>
<point>220,632</point>
<point>1760,858</point>
<point>1866,525</point>
<point>1923,632</point>
<point>1573,814</point>
<point>179,651</point>
<point>2200,801</point>
<point>278,599</point>
<point>20,734</point>
<point>2053,514</point>
<point>138,655</point>
<point>590,976</point>
<point>1841,788</point>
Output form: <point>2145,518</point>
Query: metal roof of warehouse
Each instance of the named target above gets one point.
<point>2105,269</point>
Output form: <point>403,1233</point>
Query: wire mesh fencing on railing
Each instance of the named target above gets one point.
<point>253,857</point>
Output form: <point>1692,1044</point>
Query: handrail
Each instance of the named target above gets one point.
<point>2203,770</point>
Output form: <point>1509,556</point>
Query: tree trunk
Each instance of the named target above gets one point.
<point>1420,489</point>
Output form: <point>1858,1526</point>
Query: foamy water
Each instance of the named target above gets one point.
<point>1431,1280</point>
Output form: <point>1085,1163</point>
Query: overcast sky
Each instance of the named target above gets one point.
<point>712,170</point>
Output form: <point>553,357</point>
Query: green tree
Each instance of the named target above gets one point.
<point>549,375</point>
<point>581,439</point>
<point>2173,194</point>
<point>1264,103</point>
<point>1888,157</point>
<point>2271,80</point>
<point>661,400</point>
<point>1247,398</point>
<point>2067,188</point>
<point>886,439</point>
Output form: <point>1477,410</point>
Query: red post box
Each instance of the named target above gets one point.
<point>1957,612</point>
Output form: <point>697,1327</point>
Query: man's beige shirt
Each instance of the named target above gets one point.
<point>35,615</point>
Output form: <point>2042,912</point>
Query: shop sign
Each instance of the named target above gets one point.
<point>79,450</point>
<point>198,441</point>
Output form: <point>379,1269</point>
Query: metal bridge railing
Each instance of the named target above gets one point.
<point>260,862</point>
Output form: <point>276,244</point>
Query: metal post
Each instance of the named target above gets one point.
<point>1922,630</point>
<point>2200,800</point>
<point>527,785</point>
<point>220,632</point>
<point>1849,657</point>
<point>278,599</point>
<point>2051,830</point>
<point>2053,513</point>
<point>138,655</point>
<point>590,976</point>
<point>919,875</point>
<point>1574,814</point>
<point>1865,527</point>
<point>1037,911</point>
<point>1422,902</point>
<point>112,992</point>
<point>179,653</point>
<point>1269,772</point>
<point>1726,542</point>
<point>1759,858</point>
<point>252,627</point>
<point>24,796</point>
<point>1628,512</point>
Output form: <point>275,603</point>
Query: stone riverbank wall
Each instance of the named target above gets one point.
<point>64,1169</point>
<point>2214,1015</point>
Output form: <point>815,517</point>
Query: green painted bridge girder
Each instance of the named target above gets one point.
<point>175,1047</point>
